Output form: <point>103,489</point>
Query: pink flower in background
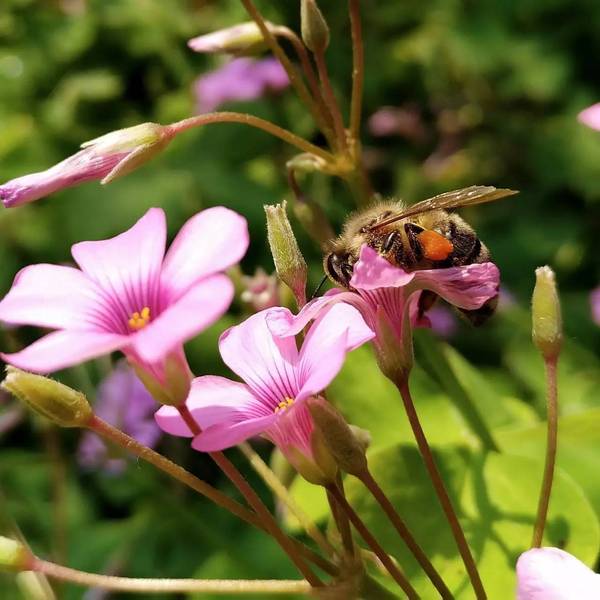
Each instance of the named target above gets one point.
<point>128,295</point>
<point>403,121</point>
<point>105,158</point>
<point>553,574</point>
<point>387,296</point>
<point>591,116</point>
<point>124,402</point>
<point>442,321</point>
<point>239,79</point>
<point>277,377</point>
<point>595,305</point>
<point>261,291</point>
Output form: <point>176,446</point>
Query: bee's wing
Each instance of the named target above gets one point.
<point>476,194</point>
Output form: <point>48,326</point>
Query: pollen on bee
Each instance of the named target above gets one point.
<point>284,404</point>
<point>435,246</point>
<point>139,320</point>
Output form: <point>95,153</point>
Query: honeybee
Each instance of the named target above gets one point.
<point>421,236</point>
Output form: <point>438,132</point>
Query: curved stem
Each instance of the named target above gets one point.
<point>254,501</point>
<point>331,101</point>
<point>277,487</point>
<point>358,70</point>
<point>362,529</point>
<point>162,586</point>
<point>440,490</point>
<point>277,50</point>
<point>551,445</point>
<point>252,121</point>
<point>407,537</point>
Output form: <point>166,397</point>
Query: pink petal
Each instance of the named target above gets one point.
<point>219,437</point>
<point>372,271</point>
<point>466,287</point>
<point>553,574</point>
<point>208,243</point>
<point>212,401</point>
<point>333,335</point>
<point>595,305</point>
<point>62,349</point>
<point>198,308</point>
<point>127,267</point>
<point>51,296</point>
<point>591,116</point>
<point>266,363</point>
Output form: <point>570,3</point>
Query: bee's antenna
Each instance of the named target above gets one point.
<point>319,287</point>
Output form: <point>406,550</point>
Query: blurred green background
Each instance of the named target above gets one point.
<point>488,92</point>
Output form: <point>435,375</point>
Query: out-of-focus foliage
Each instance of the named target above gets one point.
<point>494,89</point>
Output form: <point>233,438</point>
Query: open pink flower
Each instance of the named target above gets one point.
<point>387,297</point>
<point>278,379</point>
<point>128,295</point>
<point>591,116</point>
<point>105,158</point>
<point>553,574</point>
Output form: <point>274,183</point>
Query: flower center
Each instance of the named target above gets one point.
<point>284,404</point>
<point>139,320</point>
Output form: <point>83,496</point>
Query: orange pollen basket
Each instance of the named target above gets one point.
<point>435,245</point>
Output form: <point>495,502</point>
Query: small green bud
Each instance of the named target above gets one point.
<point>53,400</point>
<point>244,39</point>
<point>315,31</point>
<point>346,449</point>
<point>14,556</point>
<point>289,262</point>
<point>546,316</point>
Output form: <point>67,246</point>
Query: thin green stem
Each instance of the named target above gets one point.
<point>342,523</point>
<point>162,586</point>
<point>127,443</point>
<point>282,492</point>
<point>252,121</point>
<point>369,538</point>
<point>440,490</point>
<point>331,101</point>
<point>551,445</point>
<point>358,70</point>
<point>293,76</point>
<point>403,531</point>
<point>254,501</point>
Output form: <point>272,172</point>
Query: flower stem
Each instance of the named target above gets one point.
<point>252,121</point>
<point>362,529</point>
<point>358,70</point>
<point>341,519</point>
<point>440,490</point>
<point>277,487</point>
<point>117,437</point>
<point>254,501</point>
<point>403,531</point>
<point>161,586</point>
<point>551,444</point>
<point>293,76</point>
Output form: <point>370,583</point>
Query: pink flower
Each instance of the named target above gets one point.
<point>261,291</point>
<point>388,296</point>
<point>240,79</point>
<point>278,379</point>
<point>105,158</point>
<point>128,295</point>
<point>595,305</point>
<point>553,574</point>
<point>591,116</point>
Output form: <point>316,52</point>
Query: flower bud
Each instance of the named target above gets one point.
<point>260,291</point>
<point>315,31</point>
<point>289,262</point>
<point>346,449</point>
<point>244,39</point>
<point>14,556</point>
<point>394,354</point>
<point>53,400</point>
<point>546,316</point>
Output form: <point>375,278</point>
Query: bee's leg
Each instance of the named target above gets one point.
<point>426,300</point>
<point>412,231</point>
<point>468,248</point>
<point>480,315</point>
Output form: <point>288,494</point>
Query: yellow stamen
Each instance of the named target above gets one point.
<point>139,320</point>
<point>284,404</point>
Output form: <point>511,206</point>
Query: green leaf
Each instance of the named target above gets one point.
<point>496,498</point>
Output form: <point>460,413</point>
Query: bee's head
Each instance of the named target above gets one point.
<point>338,267</point>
